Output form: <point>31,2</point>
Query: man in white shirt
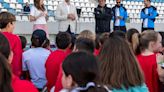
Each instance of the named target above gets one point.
<point>66,15</point>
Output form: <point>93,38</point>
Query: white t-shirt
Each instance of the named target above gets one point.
<point>34,60</point>
<point>146,20</point>
<point>117,22</point>
<point>35,12</point>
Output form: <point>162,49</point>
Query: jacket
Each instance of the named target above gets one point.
<point>103,16</point>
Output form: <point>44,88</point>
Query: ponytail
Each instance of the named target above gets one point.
<point>141,42</point>
<point>135,43</point>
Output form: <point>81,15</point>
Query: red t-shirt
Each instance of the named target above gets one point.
<point>16,47</point>
<point>58,85</point>
<point>96,52</point>
<point>52,66</point>
<point>22,85</point>
<point>149,67</point>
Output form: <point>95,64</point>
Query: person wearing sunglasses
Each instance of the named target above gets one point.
<point>119,16</point>
<point>148,14</point>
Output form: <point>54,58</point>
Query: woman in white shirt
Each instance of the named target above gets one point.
<point>38,15</point>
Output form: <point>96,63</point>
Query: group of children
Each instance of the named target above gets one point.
<point>108,62</point>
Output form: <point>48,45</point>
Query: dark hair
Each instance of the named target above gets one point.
<point>162,34</point>
<point>73,39</point>
<point>5,75</point>
<point>4,46</point>
<point>85,44</point>
<point>83,68</point>
<point>23,41</point>
<point>5,18</point>
<point>97,42</point>
<point>38,6</point>
<point>46,44</point>
<point>63,40</point>
<point>130,33</point>
<point>132,37</point>
<point>100,39</point>
<point>118,33</point>
<point>38,38</point>
<point>119,66</point>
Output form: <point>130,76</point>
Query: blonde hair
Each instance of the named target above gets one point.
<point>87,34</point>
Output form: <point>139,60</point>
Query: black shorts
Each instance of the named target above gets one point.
<point>120,28</point>
<point>143,29</point>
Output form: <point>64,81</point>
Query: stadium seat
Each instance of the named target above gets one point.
<point>92,20</point>
<point>18,18</point>
<point>55,3</point>
<point>25,1</point>
<point>51,19</point>
<point>50,7</point>
<point>1,6</point>
<point>85,14</point>
<point>86,1</point>
<point>87,5</point>
<point>55,7</point>
<point>82,5</point>
<point>124,2</point>
<point>50,13</point>
<point>20,1</point>
<point>89,9</point>
<point>45,2</point>
<point>86,19</point>
<point>12,11</point>
<point>81,19</point>
<point>109,5</point>
<point>128,2</point>
<point>3,9</point>
<point>5,5</point>
<point>77,4</point>
<point>50,2</point>
<point>12,6</point>
<point>111,2</point>
<point>1,1</point>
<point>31,2</point>
<point>6,1</point>
<point>93,5</point>
<point>25,18</point>
<point>18,11</point>
<point>83,9</point>
<point>91,14</point>
<point>19,6</point>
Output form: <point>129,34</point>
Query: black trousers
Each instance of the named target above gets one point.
<point>120,28</point>
<point>144,29</point>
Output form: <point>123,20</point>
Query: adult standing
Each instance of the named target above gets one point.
<point>66,15</point>
<point>38,15</point>
<point>120,16</point>
<point>148,14</point>
<point>103,16</point>
<point>26,8</point>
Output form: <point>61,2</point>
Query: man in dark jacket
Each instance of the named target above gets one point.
<point>103,16</point>
<point>26,8</point>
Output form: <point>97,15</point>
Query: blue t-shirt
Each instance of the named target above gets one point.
<point>142,88</point>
